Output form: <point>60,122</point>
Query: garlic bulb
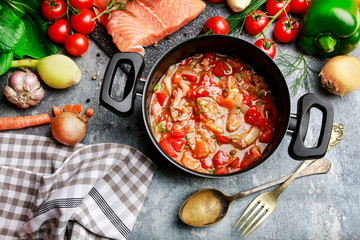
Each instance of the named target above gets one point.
<point>24,89</point>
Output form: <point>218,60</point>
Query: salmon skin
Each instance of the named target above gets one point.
<point>147,22</point>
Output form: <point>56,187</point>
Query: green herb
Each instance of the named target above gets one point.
<point>156,87</point>
<point>238,107</point>
<point>237,20</point>
<point>213,137</point>
<point>187,146</point>
<point>289,64</point>
<point>186,137</point>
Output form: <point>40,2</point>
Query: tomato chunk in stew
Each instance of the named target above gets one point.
<point>213,114</point>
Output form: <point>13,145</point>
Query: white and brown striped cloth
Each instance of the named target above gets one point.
<point>51,191</point>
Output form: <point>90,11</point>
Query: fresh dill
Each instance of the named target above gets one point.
<point>298,64</point>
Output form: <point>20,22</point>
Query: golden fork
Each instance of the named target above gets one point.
<point>266,202</point>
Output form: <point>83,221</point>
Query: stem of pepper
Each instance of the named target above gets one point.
<point>273,19</point>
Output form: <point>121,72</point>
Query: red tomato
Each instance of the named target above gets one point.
<point>218,25</point>
<point>255,22</point>
<point>82,23</point>
<point>177,143</point>
<point>161,97</point>
<point>285,30</point>
<point>189,77</point>
<point>177,132</point>
<point>254,118</point>
<point>248,160</point>
<point>235,163</point>
<point>81,4</point>
<point>220,69</point>
<point>76,44</point>
<point>166,146</point>
<point>59,31</point>
<point>53,9</point>
<point>199,91</point>
<point>214,1</point>
<point>266,136</point>
<point>267,46</point>
<point>274,6</point>
<point>222,139</point>
<point>221,170</point>
<point>299,6</point>
<point>220,158</point>
<point>206,163</point>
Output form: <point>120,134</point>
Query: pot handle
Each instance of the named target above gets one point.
<point>124,107</point>
<point>299,126</point>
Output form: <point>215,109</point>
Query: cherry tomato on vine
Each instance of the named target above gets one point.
<point>267,46</point>
<point>285,29</point>
<point>76,44</point>
<point>218,25</point>
<point>299,6</point>
<point>255,22</point>
<point>81,4</point>
<point>59,31</point>
<point>274,6</point>
<point>82,23</point>
<point>53,9</point>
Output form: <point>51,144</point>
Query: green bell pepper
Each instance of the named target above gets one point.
<point>330,28</point>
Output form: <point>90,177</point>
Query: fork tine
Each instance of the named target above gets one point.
<point>259,222</point>
<point>261,212</point>
<point>252,204</point>
<point>250,216</point>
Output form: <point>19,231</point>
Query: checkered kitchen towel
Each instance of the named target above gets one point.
<point>51,191</point>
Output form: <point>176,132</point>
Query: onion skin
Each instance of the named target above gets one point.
<point>341,75</point>
<point>69,128</point>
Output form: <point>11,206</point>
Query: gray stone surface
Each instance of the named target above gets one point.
<point>315,207</point>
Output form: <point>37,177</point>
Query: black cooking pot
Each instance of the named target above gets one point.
<point>293,124</point>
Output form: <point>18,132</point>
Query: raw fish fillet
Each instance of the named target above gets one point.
<point>147,23</point>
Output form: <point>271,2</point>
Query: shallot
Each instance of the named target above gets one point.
<point>341,75</point>
<point>69,128</point>
<point>24,89</point>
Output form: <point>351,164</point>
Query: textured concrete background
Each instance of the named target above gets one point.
<point>315,207</point>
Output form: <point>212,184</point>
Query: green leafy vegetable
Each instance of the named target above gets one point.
<point>23,32</point>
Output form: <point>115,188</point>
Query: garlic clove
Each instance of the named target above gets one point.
<point>38,95</point>
<point>16,81</point>
<point>10,94</point>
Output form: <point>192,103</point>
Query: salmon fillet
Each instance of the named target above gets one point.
<point>146,24</point>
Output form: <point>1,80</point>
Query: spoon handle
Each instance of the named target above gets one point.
<point>320,166</point>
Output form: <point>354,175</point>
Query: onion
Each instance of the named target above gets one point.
<point>69,128</point>
<point>341,75</point>
<point>57,71</point>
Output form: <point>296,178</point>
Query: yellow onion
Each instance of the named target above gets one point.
<point>69,128</point>
<point>341,75</point>
<point>57,71</point>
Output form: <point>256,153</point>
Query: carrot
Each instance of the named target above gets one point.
<point>190,162</point>
<point>77,108</point>
<point>89,112</point>
<point>214,128</point>
<point>68,108</point>
<point>7,123</point>
<point>57,110</point>
<point>228,103</point>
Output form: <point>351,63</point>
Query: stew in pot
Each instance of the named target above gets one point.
<point>213,113</point>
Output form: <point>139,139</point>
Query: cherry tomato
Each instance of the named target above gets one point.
<point>222,139</point>
<point>161,97</point>
<point>76,44</point>
<point>299,6</point>
<point>220,158</point>
<point>254,117</point>
<point>214,1</point>
<point>218,25</point>
<point>285,30</point>
<point>255,22</point>
<point>82,23</point>
<point>248,160</point>
<point>274,6</point>
<point>81,4</point>
<point>206,163</point>
<point>59,31</point>
<point>267,46</point>
<point>221,170</point>
<point>53,9</point>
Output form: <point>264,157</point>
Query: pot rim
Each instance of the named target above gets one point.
<point>211,37</point>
